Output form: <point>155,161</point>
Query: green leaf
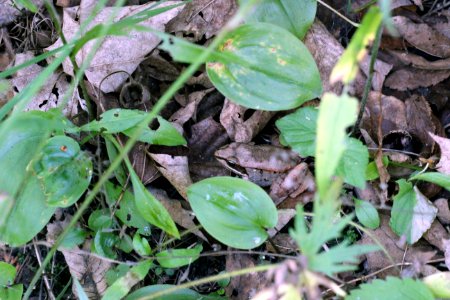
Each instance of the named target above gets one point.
<point>7,274</point>
<point>150,208</point>
<point>294,16</point>
<point>234,211</point>
<point>104,243</point>
<point>166,134</point>
<point>141,245</point>
<point>12,293</point>
<point>179,294</point>
<point>396,288</point>
<point>63,170</point>
<point>74,237</point>
<point>27,4</point>
<point>367,214</point>
<point>439,285</point>
<point>22,191</point>
<point>266,68</point>
<point>336,113</point>
<point>115,273</point>
<point>346,68</point>
<point>434,177</point>
<point>128,212</point>
<point>119,172</point>
<point>99,219</point>
<point>372,170</point>
<point>115,121</point>
<point>175,258</point>
<point>353,164</point>
<point>122,286</point>
<point>326,226</point>
<point>412,213</point>
<point>298,130</point>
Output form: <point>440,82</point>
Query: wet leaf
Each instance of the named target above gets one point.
<point>294,16</point>
<point>122,286</point>
<point>298,130</point>
<point>234,211</point>
<point>367,214</point>
<point>150,208</point>
<point>434,177</point>
<point>63,170</point>
<point>412,213</point>
<point>336,113</point>
<point>394,287</point>
<point>175,258</point>
<point>287,78</point>
<point>353,164</point>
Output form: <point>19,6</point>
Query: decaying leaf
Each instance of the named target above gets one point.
<point>203,17</point>
<point>423,37</point>
<point>443,210</point>
<point>444,163</point>
<point>420,121</point>
<point>51,94</point>
<point>88,269</point>
<point>284,216</point>
<point>117,53</point>
<point>419,62</point>
<point>239,128</point>
<point>411,78</point>
<point>436,235</point>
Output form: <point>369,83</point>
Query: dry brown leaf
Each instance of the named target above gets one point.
<point>181,216</point>
<point>420,121</point>
<point>239,128</point>
<point>143,164</point>
<point>436,235</point>
<point>203,17</point>
<point>423,37</point>
<point>411,78</point>
<point>284,216</point>
<point>117,53</point>
<point>283,242</point>
<point>189,110</point>
<point>88,269</point>
<point>443,210</point>
<point>51,94</point>
<point>8,13</point>
<point>444,163</point>
<point>447,253</point>
<point>419,62</point>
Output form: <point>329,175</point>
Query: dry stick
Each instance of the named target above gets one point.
<point>368,85</point>
<point>44,276</point>
<point>235,21</point>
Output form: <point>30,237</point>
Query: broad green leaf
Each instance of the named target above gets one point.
<point>353,164</point>
<point>234,211</point>
<point>127,213</point>
<point>115,273</point>
<point>346,68</point>
<point>104,243</point>
<point>27,4</point>
<point>268,69</point>
<point>122,286</point>
<point>63,170</point>
<point>175,258</point>
<point>298,130</point>
<point>293,15</point>
<point>412,213</point>
<point>141,245</point>
<point>100,219</point>
<point>7,274</point>
<point>439,284</point>
<point>372,170</point>
<point>126,244</point>
<point>367,214</point>
<point>115,120</point>
<point>150,208</point>
<point>326,226</point>
<point>336,113</point>
<point>434,177</point>
<point>22,138</point>
<point>11,293</point>
<point>74,237</point>
<point>393,288</point>
<point>166,135</point>
<point>179,294</point>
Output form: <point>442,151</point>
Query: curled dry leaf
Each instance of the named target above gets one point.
<point>420,121</point>
<point>239,128</point>
<point>117,53</point>
<point>189,110</point>
<point>444,163</point>
<point>423,37</point>
<point>419,62</point>
<point>142,164</point>
<point>51,94</point>
<point>411,78</point>
<point>88,269</point>
<point>203,17</point>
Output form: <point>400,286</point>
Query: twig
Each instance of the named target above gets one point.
<point>338,13</point>
<point>368,85</point>
<point>44,276</point>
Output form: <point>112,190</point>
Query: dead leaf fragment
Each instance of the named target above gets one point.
<point>419,62</point>
<point>410,78</point>
<point>443,210</point>
<point>420,121</point>
<point>284,216</point>
<point>444,163</point>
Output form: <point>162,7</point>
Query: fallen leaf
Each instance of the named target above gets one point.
<point>443,210</point>
<point>117,53</point>
<point>444,163</point>
<point>203,17</point>
<point>411,78</point>
<point>423,37</point>
<point>420,122</point>
<point>447,253</point>
<point>284,216</point>
<point>436,235</point>
<point>9,13</point>
<point>419,62</point>
<point>283,242</point>
<point>240,128</point>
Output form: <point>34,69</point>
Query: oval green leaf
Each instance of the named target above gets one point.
<point>175,258</point>
<point>234,211</point>
<point>440,179</point>
<point>141,245</point>
<point>367,214</point>
<point>266,68</point>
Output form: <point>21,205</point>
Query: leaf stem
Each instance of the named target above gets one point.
<point>339,14</point>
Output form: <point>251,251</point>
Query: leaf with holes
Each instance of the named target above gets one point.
<point>166,134</point>
<point>234,211</point>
